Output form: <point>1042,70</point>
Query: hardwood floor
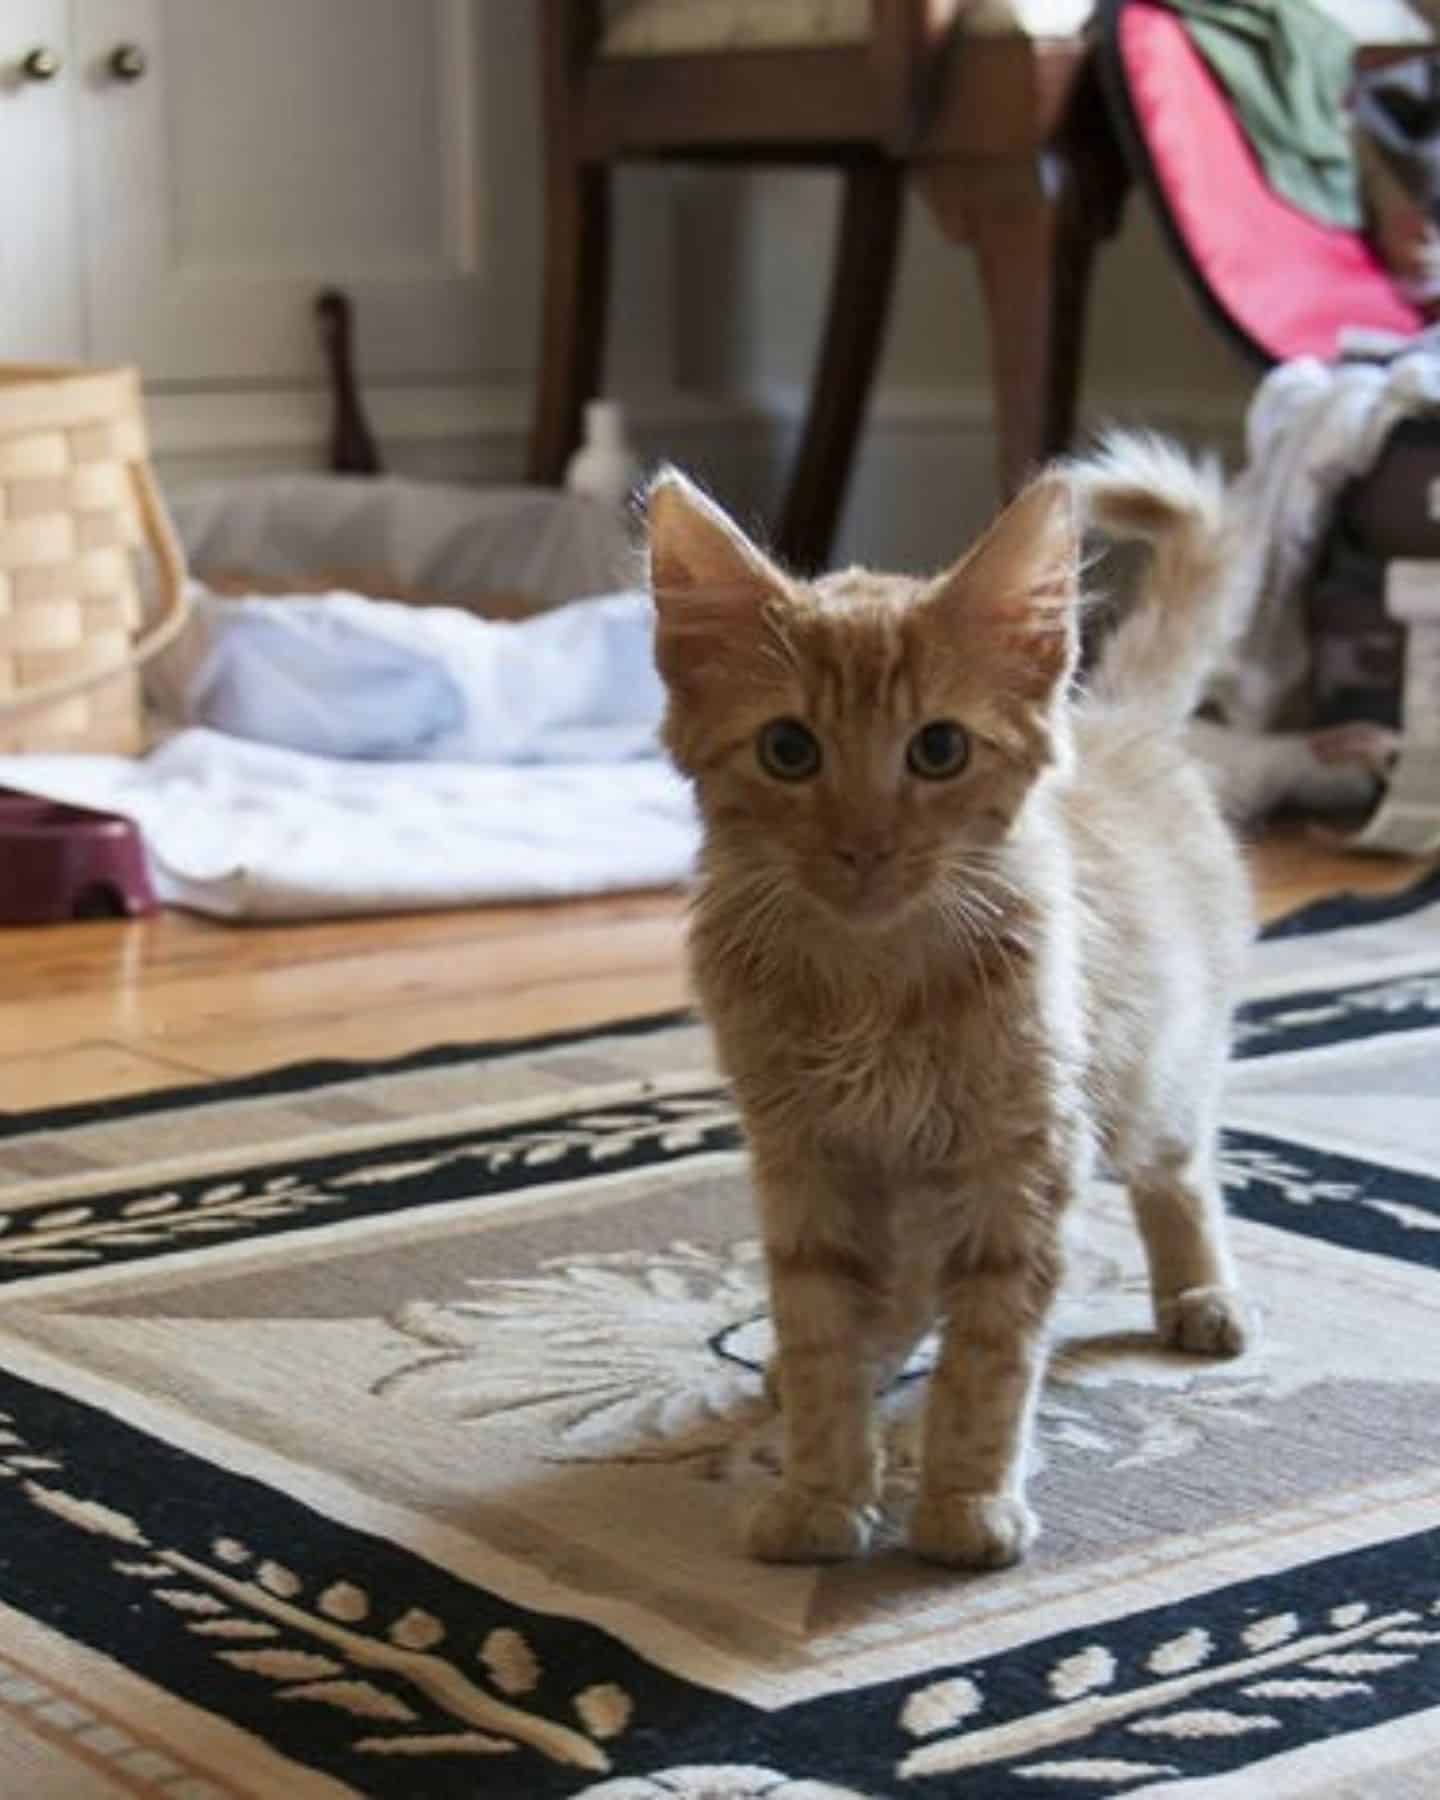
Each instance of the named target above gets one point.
<point>100,1009</point>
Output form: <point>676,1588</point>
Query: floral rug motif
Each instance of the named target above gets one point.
<point>381,1431</point>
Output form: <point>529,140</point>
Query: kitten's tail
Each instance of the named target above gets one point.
<point>1159,657</point>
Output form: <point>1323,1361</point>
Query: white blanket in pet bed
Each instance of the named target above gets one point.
<point>251,831</point>
<point>348,756</point>
<point>341,755</point>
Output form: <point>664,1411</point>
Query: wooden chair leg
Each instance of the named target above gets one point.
<point>574,305</point>
<point>861,281</point>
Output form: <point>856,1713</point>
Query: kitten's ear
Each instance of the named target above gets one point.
<point>1016,593</point>
<point>694,544</point>
<point>711,584</point>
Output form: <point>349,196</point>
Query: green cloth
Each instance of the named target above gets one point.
<point>1287,69</point>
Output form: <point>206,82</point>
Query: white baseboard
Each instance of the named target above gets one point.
<point>923,483</point>
<point>200,433</point>
<point>458,425</point>
<point>1195,412</point>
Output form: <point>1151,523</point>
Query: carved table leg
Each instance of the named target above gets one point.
<point>1034,223</point>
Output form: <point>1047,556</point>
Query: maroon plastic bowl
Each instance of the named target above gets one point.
<point>66,862</point>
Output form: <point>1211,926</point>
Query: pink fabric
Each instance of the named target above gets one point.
<point>1288,281</point>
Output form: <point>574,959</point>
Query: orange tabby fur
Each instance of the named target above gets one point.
<point>940,999</point>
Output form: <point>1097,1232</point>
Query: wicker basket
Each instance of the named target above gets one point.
<point>77,503</point>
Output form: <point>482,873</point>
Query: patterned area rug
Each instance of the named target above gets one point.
<point>380,1431</point>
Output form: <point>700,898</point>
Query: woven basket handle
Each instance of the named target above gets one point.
<point>170,622</point>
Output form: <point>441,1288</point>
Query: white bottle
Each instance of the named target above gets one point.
<point>604,468</point>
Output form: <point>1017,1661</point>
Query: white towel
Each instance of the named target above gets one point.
<point>250,831</point>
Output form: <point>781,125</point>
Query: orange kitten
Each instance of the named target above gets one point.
<point>958,931</point>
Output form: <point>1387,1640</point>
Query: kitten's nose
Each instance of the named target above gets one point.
<point>865,858</point>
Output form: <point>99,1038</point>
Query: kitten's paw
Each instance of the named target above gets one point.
<point>791,1525</point>
<point>1207,1321</point>
<point>972,1531</point>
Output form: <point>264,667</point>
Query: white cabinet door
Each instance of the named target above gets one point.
<point>40,310</point>
<point>271,147</point>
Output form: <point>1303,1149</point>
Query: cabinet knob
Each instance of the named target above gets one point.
<point>41,65</point>
<point>128,62</point>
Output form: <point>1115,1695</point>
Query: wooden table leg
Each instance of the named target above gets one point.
<point>1034,241</point>
<point>1034,223</point>
<point>861,283</point>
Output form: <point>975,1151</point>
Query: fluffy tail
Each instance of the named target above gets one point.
<point>1161,654</point>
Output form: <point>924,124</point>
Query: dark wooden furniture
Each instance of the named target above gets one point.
<point>1006,138</point>
<point>352,448</point>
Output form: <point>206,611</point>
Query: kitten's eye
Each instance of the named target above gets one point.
<point>938,750</point>
<point>788,750</point>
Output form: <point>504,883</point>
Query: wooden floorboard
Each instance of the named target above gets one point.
<point>1296,864</point>
<point>103,1009</point>
<point>181,1011</point>
<point>83,1071</point>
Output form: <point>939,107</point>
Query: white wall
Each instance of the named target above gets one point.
<point>460,409</point>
